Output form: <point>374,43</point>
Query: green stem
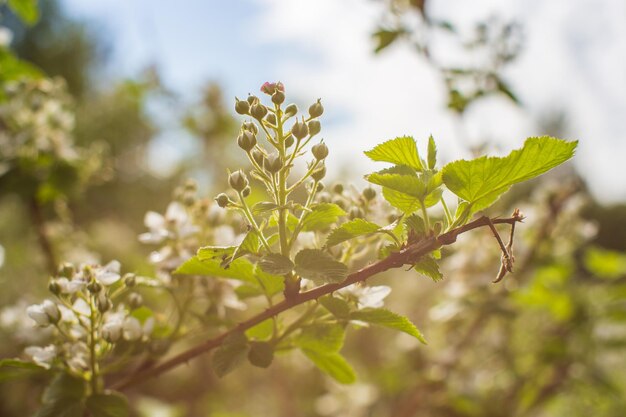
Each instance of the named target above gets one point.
<point>425,214</point>
<point>282,188</point>
<point>92,348</point>
<point>250,217</point>
<point>446,210</point>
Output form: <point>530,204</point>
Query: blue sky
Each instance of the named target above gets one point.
<point>574,59</point>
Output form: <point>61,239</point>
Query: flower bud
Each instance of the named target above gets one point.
<point>319,173</point>
<point>258,157</point>
<point>338,188</point>
<point>320,187</point>
<point>189,199</point>
<point>112,331</point>
<point>222,200</point>
<point>246,141</point>
<point>252,100</point>
<point>250,127</point>
<point>289,140</point>
<point>191,185</point>
<point>316,109</point>
<point>242,106</point>
<point>278,97</point>
<point>94,287</point>
<point>130,280</point>
<point>271,119</point>
<point>324,197</point>
<point>320,151</point>
<point>135,300</point>
<point>291,110</point>
<point>246,191</point>
<point>300,130</point>
<point>103,303</point>
<point>238,180</point>
<point>273,164</point>
<point>355,213</point>
<point>54,287</point>
<point>45,313</point>
<point>67,270</point>
<point>258,111</point>
<point>369,193</point>
<point>272,88</point>
<point>314,127</point>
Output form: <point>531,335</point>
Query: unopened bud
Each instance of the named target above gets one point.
<point>246,191</point>
<point>252,100</point>
<point>314,127</point>
<point>238,180</point>
<point>272,88</point>
<point>319,173</point>
<point>258,111</point>
<point>338,188</point>
<point>273,164</point>
<point>355,213</point>
<point>258,157</point>
<point>54,287</point>
<point>320,187</point>
<point>369,193</point>
<point>222,200</point>
<point>320,151</point>
<point>94,287</point>
<point>242,106</point>
<point>289,140</point>
<point>130,280</point>
<point>300,130</point>
<point>246,141</point>
<point>324,197</point>
<point>135,300</point>
<point>104,304</point>
<point>291,110</point>
<point>271,119</point>
<point>278,97</point>
<point>250,127</point>
<point>191,185</point>
<point>67,270</point>
<point>316,109</point>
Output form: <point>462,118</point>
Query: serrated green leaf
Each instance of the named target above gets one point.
<point>336,306</point>
<point>249,245</point>
<point>403,202</point>
<point>321,337</point>
<point>350,230</point>
<point>112,404</point>
<point>220,253</point>
<point>240,269</point>
<point>416,224</point>
<point>399,151</point>
<point>319,266</point>
<point>481,181</point>
<point>432,153</point>
<point>275,263</point>
<point>12,369</point>
<point>321,216</point>
<point>261,354</point>
<point>332,364</point>
<point>26,10</point>
<point>270,283</point>
<point>429,267</point>
<point>230,354</point>
<point>386,318</point>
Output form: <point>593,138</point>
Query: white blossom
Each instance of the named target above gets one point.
<point>132,329</point>
<point>175,224</point>
<point>45,313</point>
<point>108,274</point>
<point>42,356</point>
<point>372,297</point>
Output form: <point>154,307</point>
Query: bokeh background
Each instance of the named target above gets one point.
<point>151,86</point>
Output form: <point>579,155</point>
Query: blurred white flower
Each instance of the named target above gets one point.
<point>133,330</point>
<point>78,356</point>
<point>81,307</point>
<point>42,356</point>
<point>109,273</point>
<point>70,287</point>
<point>372,297</point>
<point>45,313</point>
<point>6,36</point>
<point>175,224</point>
<point>1,252</point>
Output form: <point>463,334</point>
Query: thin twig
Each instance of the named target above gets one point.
<point>406,256</point>
<point>42,235</point>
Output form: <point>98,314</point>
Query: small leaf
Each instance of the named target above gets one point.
<point>481,181</point>
<point>386,318</point>
<point>384,38</point>
<point>275,263</point>
<point>321,216</point>
<point>249,245</point>
<point>319,266</point>
<point>240,269</point>
<point>230,354</point>
<point>261,354</point>
<point>432,153</point>
<point>403,202</point>
<point>26,10</point>
<point>429,267</point>
<point>264,206</point>
<point>112,404</point>
<point>332,364</point>
<point>337,307</point>
<point>11,369</point>
<point>261,331</point>
<point>61,408</point>
<point>215,252</point>
<point>605,263</point>
<point>399,151</point>
<point>321,337</point>
<point>270,284</point>
<point>416,224</point>
<point>350,230</point>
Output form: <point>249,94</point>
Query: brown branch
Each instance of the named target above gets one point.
<point>42,235</point>
<point>407,256</point>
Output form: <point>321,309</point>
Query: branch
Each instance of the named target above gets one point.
<point>407,256</point>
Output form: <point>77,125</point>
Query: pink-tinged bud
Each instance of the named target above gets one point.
<point>271,88</point>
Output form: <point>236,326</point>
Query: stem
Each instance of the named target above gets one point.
<point>406,256</point>
<point>250,217</point>
<point>425,214</point>
<point>92,348</point>
<point>42,234</point>
<point>446,210</point>
<point>282,189</point>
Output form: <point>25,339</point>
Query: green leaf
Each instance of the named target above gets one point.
<point>261,331</point>
<point>264,206</point>
<point>275,263</point>
<point>432,153</point>
<point>249,245</point>
<point>111,404</point>
<point>319,266</point>
<point>240,269</point>
<point>270,284</point>
<point>337,307</point>
<point>26,10</point>
<point>64,387</point>
<point>399,151</point>
<point>384,38</point>
<point>221,253</point>
<point>386,318</point>
<point>403,202</point>
<point>416,224</point>
<point>350,230</point>
<point>321,216</point>
<point>321,337</point>
<point>605,263</point>
<point>11,369</point>
<point>481,181</point>
<point>230,354</point>
<point>62,408</point>
<point>429,267</point>
<point>332,364</point>
<point>261,354</point>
